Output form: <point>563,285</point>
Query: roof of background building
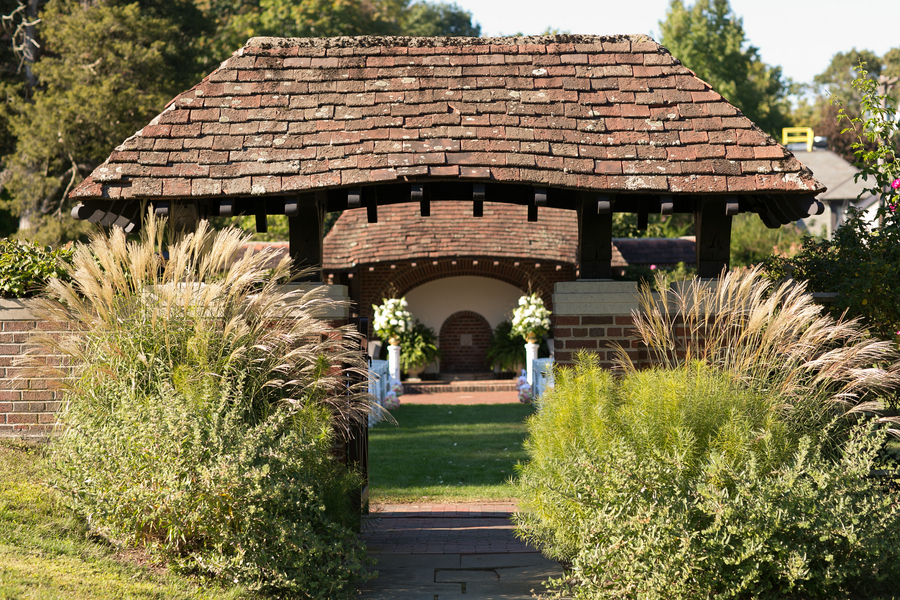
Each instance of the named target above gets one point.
<point>614,113</point>
<point>833,172</point>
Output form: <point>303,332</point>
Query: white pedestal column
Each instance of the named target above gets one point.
<point>531,354</point>
<point>394,363</point>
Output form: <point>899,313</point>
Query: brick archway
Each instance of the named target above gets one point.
<point>464,339</point>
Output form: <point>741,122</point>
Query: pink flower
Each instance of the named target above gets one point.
<point>652,267</point>
<point>896,184</point>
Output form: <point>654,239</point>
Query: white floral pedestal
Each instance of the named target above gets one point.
<point>531,354</point>
<point>394,362</point>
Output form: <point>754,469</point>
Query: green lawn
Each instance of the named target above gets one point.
<point>45,553</point>
<point>447,453</point>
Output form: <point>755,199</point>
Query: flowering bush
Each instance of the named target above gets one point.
<point>392,318</point>
<point>526,392</point>
<point>531,316</point>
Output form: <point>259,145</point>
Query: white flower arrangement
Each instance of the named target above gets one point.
<point>531,316</point>
<point>392,318</point>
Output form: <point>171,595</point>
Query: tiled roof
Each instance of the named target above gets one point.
<point>450,231</point>
<point>612,113</point>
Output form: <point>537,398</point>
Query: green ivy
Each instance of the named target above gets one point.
<point>25,267</point>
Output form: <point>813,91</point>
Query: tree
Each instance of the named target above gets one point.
<point>709,39</point>
<point>107,68</point>
<point>835,84</point>
<point>439,18</point>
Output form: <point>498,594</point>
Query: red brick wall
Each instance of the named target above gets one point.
<point>597,334</point>
<point>471,357</point>
<point>29,398</point>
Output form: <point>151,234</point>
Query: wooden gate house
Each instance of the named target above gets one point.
<point>584,124</point>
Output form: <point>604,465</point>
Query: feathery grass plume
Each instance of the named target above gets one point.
<point>231,311</point>
<point>202,407</point>
<point>771,338</point>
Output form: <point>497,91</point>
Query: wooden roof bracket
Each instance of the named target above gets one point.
<point>478,195</point>
<point>666,205</point>
<point>417,194</point>
<point>605,204</point>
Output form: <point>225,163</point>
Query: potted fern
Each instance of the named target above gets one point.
<point>419,349</point>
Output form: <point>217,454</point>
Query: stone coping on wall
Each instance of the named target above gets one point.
<point>16,309</point>
<point>597,297</point>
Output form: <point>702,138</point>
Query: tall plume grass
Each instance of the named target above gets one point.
<point>201,309</point>
<point>202,410</point>
<point>772,338</point>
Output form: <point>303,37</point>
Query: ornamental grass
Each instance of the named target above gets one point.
<point>202,406</point>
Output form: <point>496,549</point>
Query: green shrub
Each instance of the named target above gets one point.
<point>202,411</point>
<point>25,267</point>
<point>419,347</point>
<point>681,484</point>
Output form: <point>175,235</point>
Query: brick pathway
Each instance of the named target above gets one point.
<point>451,552</point>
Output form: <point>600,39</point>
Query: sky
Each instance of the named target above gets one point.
<point>800,36</point>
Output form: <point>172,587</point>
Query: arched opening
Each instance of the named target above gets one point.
<point>465,337</point>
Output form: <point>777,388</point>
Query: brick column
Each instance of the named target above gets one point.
<point>592,316</point>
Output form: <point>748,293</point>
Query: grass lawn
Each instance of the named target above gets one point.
<point>46,553</point>
<point>441,453</point>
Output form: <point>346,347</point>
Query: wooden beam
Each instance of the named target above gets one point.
<point>712,225</point>
<point>305,235</point>
<point>595,237</point>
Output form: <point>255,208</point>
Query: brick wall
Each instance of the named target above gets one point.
<point>464,340</point>
<point>29,397</point>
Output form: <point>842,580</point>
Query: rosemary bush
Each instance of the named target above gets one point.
<point>738,467</point>
<point>202,409</point>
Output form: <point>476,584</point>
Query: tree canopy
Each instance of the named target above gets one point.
<point>709,39</point>
<point>107,67</point>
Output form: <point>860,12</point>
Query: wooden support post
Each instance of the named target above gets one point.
<point>595,237</point>
<point>712,226</point>
<point>305,234</point>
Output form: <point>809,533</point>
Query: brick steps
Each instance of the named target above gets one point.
<point>442,387</point>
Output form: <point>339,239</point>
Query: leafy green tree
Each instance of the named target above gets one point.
<point>862,263</point>
<point>710,40</point>
<point>107,68</point>
<point>438,18</point>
